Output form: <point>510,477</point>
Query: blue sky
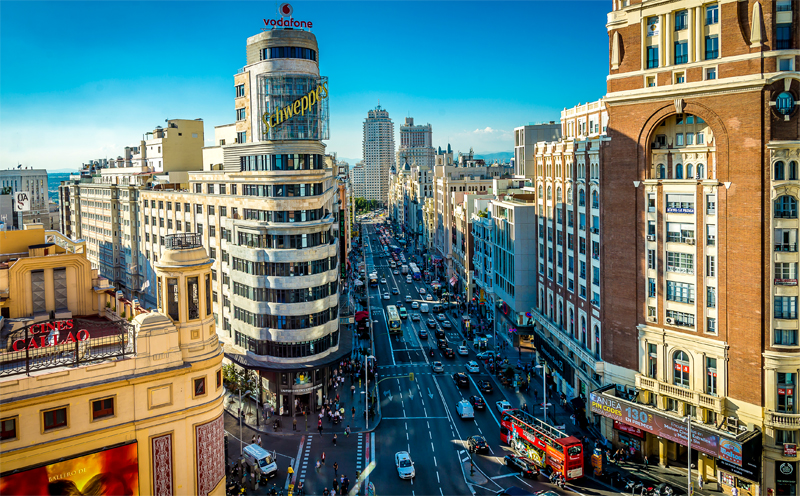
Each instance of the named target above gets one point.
<point>82,80</point>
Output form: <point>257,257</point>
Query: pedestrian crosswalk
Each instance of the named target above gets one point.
<point>306,454</point>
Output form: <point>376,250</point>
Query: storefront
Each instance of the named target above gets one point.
<point>785,478</point>
<point>630,438</point>
<point>560,369</point>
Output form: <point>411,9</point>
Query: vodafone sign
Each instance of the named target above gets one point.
<point>285,10</point>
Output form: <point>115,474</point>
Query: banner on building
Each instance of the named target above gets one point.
<point>22,201</point>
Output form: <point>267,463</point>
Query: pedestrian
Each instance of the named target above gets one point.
<point>318,466</point>
<point>700,483</point>
<point>354,413</point>
<point>572,417</point>
<point>253,441</point>
<point>326,492</point>
<point>335,484</point>
<point>734,491</point>
<point>294,424</point>
<point>525,407</point>
<point>334,439</point>
<point>259,440</point>
<point>646,462</point>
<point>323,458</point>
<point>347,431</point>
<point>353,390</point>
<point>319,428</point>
<point>335,468</point>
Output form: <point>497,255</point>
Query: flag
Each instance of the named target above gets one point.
<point>145,285</point>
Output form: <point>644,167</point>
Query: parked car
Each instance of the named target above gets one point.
<point>405,467</point>
<point>477,402</point>
<point>477,444</point>
<point>519,464</point>
<point>485,387</point>
<point>460,378</point>
<point>472,367</point>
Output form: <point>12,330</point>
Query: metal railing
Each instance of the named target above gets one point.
<point>183,241</point>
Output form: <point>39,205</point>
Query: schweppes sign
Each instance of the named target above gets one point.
<point>298,107</point>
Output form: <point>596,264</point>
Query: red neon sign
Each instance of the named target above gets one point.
<point>47,330</point>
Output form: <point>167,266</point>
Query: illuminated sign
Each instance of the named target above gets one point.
<point>285,10</point>
<point>51,333</point>
<point>298,107</point>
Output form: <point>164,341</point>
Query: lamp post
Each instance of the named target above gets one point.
<point>544,388</point>
<point>688,420</point>
<point>366,390</point>
<point>241,411</point>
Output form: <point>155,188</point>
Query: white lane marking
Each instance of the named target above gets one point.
<point>464,459</point>
<point>430,435</point>
<point>413,418</point>
<point>520,479</point>
<point>437,477</point>
<point>432,448</point>
<point>491,410</point>
<point>504,476</point>
<point>434,462</point>
<point>406,436</point>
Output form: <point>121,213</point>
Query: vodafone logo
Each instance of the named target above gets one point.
<point>286,21</point>
<point>285,10</point>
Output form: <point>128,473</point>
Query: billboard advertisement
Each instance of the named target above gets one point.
<point>112,471</point>
<point>642,417</point>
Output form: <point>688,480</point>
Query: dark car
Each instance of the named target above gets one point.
<point>485,386</point>
<point>441,343</point>
<point>449,353</point>
<point>431,324</point>
<point>460,379</point>
<point>477,444</point>
<point>477,403</point>
<point>439,333</point>
<point>518,464</point>
<point>423,334</point>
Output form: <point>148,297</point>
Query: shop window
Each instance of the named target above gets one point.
<point>102,408</point>
<point>680,363</point>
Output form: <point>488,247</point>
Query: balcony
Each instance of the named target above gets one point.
<point>695,398</point>
<point>780,420</point>
<point>789,247</point>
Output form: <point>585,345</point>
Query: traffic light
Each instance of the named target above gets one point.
<point>411,376</point>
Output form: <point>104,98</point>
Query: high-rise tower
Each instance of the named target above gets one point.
<point>378,149</point>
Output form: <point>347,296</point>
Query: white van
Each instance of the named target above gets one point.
<point>260,459</point>
<point>465,410</point>
<point>423,307</point>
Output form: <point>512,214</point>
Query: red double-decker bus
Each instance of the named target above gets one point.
<point>542,443</point>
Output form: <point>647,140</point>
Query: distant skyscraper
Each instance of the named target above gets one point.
<point>415,144</point>
<point>378,149</point>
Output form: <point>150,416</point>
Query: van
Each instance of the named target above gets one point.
<point>437,308</point>
<point>423,307</point>
<point>260,459</point>
<point>465,410</point>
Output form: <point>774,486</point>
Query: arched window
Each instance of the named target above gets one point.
<point>701,172</point>
<point>779,172</point>
<point>678,171</point>
<point>596,333</point>
<point>689,171</point>
<point>583,331</point>
<point>581,198</point>
<point>569,196</point>
<point>680,369</point>
<point>786,207</point>
<point>793,171</point>
<point>540,192</point>
<point>558,194</point>
<point>661,172</point>
<point>595,200</point>
<point>549,193</point>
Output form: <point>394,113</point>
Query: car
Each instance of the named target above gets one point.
<point>396,272</point>
<point>385,296</point>
<point>477,444</point>
<point>431,323</point>
<point>383,280</point>
<point>663,489</point>
<point>485,386</point>
<point>477,402</point>
<point>439,333</point>
<point>408,297</point>
<point>415,317</point>
<point>441,318</point>
<point>485,354</point>
<point>437,367</point>
<point>421,290</point>
<point>463,351</point>
<point>428,298</point>
<point>447,325</point>
<point>395,291</point>
<point>414,304</point>
<point>449,353</point>
<point>522,465</point>
<point>503,405</point>
<point>441,343</point>
<point>472,367</point>
<point>405,467</point>
<point>460,378</point>
<point>423,334</point>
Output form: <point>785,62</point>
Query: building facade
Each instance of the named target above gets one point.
<point>33,183</point>
<point>416,144</point>
<point>378,152</point>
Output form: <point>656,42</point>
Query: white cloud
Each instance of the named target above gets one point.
<point>487,130</point>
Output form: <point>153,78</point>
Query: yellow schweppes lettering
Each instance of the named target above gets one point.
<point>297,107</point>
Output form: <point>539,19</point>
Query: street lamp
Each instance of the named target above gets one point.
<point>688,420</point>
<point>241,411</point>
<point>544,387</point>
<point>366,390</point>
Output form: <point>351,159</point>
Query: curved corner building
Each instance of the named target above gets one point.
<point>280,278</point>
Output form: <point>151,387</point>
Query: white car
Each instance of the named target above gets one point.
<point>408,297</point>
<point>415,317</point>
<point>385,296</point>
<point>421,290</point>
<point>383,280</point>
<point>503,405</point>
<point>428,298</point>
<point>405,467</point>
<point>437,367</point>
<point>415,305</point>
<point>440,317</point>
<point>472,367</point>
<point>462,350</point>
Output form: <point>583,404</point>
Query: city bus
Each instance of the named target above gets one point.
<point>373,280</point>
<point>415,273</point>
<point>542,443</point>
<point>393,320</point>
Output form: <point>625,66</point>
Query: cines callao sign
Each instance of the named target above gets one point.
<point>298,107</point>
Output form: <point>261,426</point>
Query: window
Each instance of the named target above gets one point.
<point>711,73</point>
<point>680,233</point>
<point>682,263</point>
<point>681,52</point>
<point>711,266</point>
<point>786,207</point>
<point>711,234</point>
<point>680,319</point>
<point>784,437</point>
<point>651,82</point>
<point>651,259</point>
<point>711,297</point>
<point>241,114</point>
<point>679,142</point>
<point>241,137</point>
<point>689,141</point>
<point>680,363</point>
<point>712,14</point>
<point>680,291</point>
<point>239,90</point>
<point>652,361</point>
<point>172,299</point>
<point>786,307</point>
<point>651,202</point>
<point>54,419</point>
<point>783,36</point>
<point>219,378</point>
<point>652,58</point>
<point>200,386</point>
<point>711,376</point>
<point>711,205</point>
<point>711,325</point>
<point>786,388</point>
<point>786,273</point>
<point>102,408</point>
<point>785,103</point>
<point>680,204</point>
<point>793,171</point>
<point>8,428</point>
<point>786,64</point>
<point>651,228</point>
<point>785,337</point>
<point>680,77</point>
<point>651,287</point>
<point>712,47</point>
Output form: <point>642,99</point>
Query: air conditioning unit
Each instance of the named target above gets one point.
<point>689,241</point>
<point>669,320</point>
<point>651,237</point>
